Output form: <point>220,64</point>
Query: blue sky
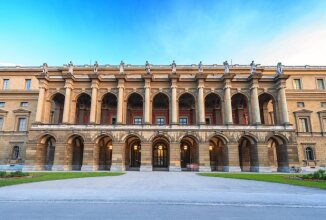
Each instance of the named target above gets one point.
<point>189,31</point>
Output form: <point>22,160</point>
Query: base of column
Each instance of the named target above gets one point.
<point>147,123</point>
<point>205,169</point>
<point>174,169</point>
<point>260,169</point>
<point>283,169</point>
<point>117,168</point>
<point>202,123</point>
<point>229,123</point>
<point>146,168</point>
<point>87,168</point>
<point>58,168</point>
<point>232,169</point>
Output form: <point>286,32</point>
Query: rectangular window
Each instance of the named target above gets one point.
<point>24,104</point>
<point>114,121</point>
<point>303,124</point>
<point>160,121</point>
<point>137,121</point>
<point>1,123</point>
<point>300,104</point>
<point>208,121</point>
<point>297,84</point>
<point>27,84</point>
<point>5,84</point>
<point>22,124</point>
<point>320,84</point>
<point>323,104</point>
<point>2,104</point>
<point>183,121</point>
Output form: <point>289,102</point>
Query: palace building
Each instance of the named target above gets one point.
<point>163,117</point>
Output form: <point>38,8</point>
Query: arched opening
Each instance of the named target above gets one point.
<point>218,154</point>
<point>248,156</point>
<point>277,154</point>
<point>104,146</point>
<point>187,109</point>
<point>160,154</point>
<point>49,153</point>
<point>109,109</point>
<point>213,111</point>
<point>266,107</point>
<point>135,109</point>
<point>57,107</point>
<point>75,152</point>
<point>83,109</point>
<point>160,115</point>
<point>133,153</point>
<point>239,109</point>
<point>189,154</point>
<point>15,153</point>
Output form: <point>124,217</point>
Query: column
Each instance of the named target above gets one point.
<point>147,105</point>
<point>40,105</point>
<point>88,157</point>
<point>146,157</point>
<point>227,105</point>
<point>59,157</point>
<point>118,158</point>
<point>233,158</point>
<point>204,159</point>
<point>66,110</point>
<point>201,105</point>
<point>120,105</point>
<point>262,164</point>
<point>174,107</point>
<point>255,105</point>
<point>284,106</point>
<point>92,119</point>
<point>175,165</point>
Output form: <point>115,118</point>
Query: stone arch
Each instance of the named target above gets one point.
<point>108,108</point>
<point>186,92</point>
<point>248,153</point>
<point>277,153</point>
<point>126,136</point>
<point>267,108</point>
<point>213,109</point>
<point>189,153</point>
<point>163,135</point>
<point>187,109</point>
<point>56,108</point>
<point>158,92</point>
<point>160,153</point>
<point>97,137</point>
<point>74,152</point>
<point>161,109</point>
<point>83,108</point>
<point>106,93</point>
<point>133,152</point>
<point>135,108</point>
<point>221,136</point>
<point>218,153</point>
<point>213,92</point>
<point>127,96</point>
<point>103,152</point>
<point>240,108</point>
<point>45,151</point>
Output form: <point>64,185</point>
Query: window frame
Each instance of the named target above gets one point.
<point>160,117</point>
<point>28,85</point>
<point>300,82</point>
<point>21,104</point>
<point>136,118</point>
<point>323,80</point>
<point>183,118</point>
<point>2,106</point>
<point>5,84</point>
<point>303,113</point>
<point>18,124</point>
<point>303,105</point>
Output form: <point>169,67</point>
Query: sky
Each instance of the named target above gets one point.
<point>188,31</point>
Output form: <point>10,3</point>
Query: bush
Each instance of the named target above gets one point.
<point>2,174</point>
<point>317,175</point>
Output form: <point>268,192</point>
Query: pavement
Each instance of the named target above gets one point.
<point>160,195</point>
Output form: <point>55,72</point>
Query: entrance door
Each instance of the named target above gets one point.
<point>160,156</point>
<point>135,156</point>
<point>185,156</point>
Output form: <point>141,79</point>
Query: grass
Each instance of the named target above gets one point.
<point>292,179</point>
<point>46,176</point>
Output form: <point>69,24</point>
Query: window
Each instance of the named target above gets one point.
<point>309,153</point>
<point>303,124</point>
<point>2,104</point>
<point>320,84</point>
<point>22,124</point>
<point>24,104</point>
<point>114,121</point>
<point>137,121</point>
<point>15,153</point>
<point>207,121</point>
<point>323,104</point>
<point>183,121</point>
<point>1,123</point>
<point>27,84</point>
<point>160,121</point>
<point>300,104</point>
<point>297,84</point>
<point>5,84</point>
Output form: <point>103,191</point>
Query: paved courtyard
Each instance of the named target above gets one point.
<point>160,195</point>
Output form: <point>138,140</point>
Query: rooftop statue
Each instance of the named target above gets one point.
<point>95,67</point>
<point>122,67</point>
<point>252,67</point>
<point>226,67</point>
<point>147,68</point>
<point>174,67</point>
<point>279,70</point>
<point>70,68</point>
<point>200,67</point>
<point>45,68</point>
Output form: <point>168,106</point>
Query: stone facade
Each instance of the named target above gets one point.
<point>158,118</point>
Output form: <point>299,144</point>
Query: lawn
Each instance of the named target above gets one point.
<point>292,179</point>
<point>45,176</point>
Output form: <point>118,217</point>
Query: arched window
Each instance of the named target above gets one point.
<point>15,153</point>
<point>310,153</point>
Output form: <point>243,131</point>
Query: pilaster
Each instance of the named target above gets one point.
<point>175,164</point>
<point>118,157</point>
<point>233,163</point>
<point>146,157</point>
<point>204,159</point>
<point>95,85</point>
<point>88,157</point>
